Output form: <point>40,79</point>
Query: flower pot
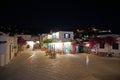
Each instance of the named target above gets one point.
<point>16,54</point>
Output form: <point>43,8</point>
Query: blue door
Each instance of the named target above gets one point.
<point>67,49</point>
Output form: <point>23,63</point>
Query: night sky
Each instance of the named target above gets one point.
<point>57,15</point>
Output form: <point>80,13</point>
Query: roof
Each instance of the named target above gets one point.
<point>113,35</point>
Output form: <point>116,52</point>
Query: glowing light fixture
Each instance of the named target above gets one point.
<point>87,45</point>
<point>37,42</point>
<point>31,43</point>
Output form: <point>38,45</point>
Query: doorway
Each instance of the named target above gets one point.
<point>10,52</point>
<point>67,50</point>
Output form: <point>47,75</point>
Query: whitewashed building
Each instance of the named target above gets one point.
<point>8,47</point>
<point>32,41</point>
<point>115,48</point>
<point>61,41</point>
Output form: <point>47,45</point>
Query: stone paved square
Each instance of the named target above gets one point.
<point>35,65</point>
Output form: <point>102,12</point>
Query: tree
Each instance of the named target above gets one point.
<point>110,40</point>
<point>94,41</point>
<point>21,42</point>
<point>102,40</point>
<point>47,41</point>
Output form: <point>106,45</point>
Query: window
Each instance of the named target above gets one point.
<point>115,46</point>
<point>54,36</point>
<point>66,35</point>
<point>102,45</point>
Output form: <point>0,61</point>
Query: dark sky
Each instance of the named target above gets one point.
<point>57,15</point>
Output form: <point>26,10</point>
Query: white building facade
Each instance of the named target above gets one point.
<point>61,41</point>
<point>115,48</point>
<point>8,47</point>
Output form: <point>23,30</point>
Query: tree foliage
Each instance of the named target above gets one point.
<point>47,41</point>
<point>21,41</point>
<point>109,40</point>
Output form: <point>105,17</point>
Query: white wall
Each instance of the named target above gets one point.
<point>65,39</point>
<point>59,36</point>
<point>5,49</point>
<point>106,49</point>
<point>2,54</point>
<point>2,50</point>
